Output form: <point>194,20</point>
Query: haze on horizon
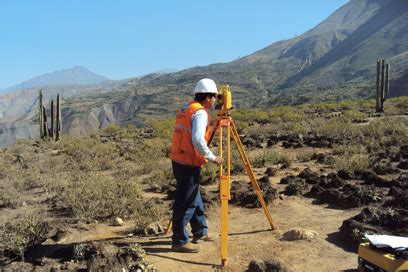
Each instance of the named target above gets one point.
<point>121,40</point>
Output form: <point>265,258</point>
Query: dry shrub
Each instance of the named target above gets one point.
<point>90,154</point>
<point>112,129</point>
<point>351,163</point>
<point>97,196</point>
<point>336,130</point>
<point>17,236</point>
<point>148,213</point>
<point>271,157</point>
<point>349,149</point>
<point>354,116</point>
<point>304,155</point>
<point>9,196</point>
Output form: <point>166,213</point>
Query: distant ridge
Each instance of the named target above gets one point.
<point>76,75</point>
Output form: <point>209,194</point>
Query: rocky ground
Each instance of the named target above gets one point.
<point>321,203</point>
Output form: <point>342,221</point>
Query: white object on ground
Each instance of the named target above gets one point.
<point>380,241</point>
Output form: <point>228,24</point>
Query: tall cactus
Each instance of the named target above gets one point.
<point>52,133</point>
<point>387,82</point>
<point>45,128</point>
<point>383,85</point>
<point>377,100</point>
<point>41,114</point>
<point>58,120</point>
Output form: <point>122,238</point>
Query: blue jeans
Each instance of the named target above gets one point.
<point>188,205</point>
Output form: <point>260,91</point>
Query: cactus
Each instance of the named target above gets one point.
<point>383,86</point>
<point>41,114</point>
<point>58,120</point>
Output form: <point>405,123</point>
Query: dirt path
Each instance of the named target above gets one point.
<point>250,238</point>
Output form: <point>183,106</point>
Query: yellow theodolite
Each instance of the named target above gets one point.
<point>224,120</point>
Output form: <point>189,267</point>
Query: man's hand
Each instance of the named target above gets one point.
<point>218,160</point>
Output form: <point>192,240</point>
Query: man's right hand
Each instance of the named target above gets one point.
<point>218,160</point>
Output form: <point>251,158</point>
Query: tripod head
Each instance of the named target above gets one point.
<point>224,100</point>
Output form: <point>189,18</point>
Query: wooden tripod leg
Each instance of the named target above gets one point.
<point>169,226</point>
<point>224,197</point>
<point>251,175</point>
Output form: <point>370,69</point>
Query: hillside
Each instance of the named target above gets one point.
<point>331,62</point>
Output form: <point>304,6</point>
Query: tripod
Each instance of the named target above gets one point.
<point>224,120</point>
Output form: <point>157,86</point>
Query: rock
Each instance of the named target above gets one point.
<point>55,152</point>
<point>335,181</point>
<point>310,176</point>
<point>118,222</point>
<point>296,187</point>
<point>403,165</point>
<point>266,266</point>
<point>371,178</point>
<point>377,220</point>
<point>299,234</point>
<point>264,179</point>
<point>153,229</point>
<point>242,194</point>
<point>344,174</point>
<point>83,251</point>
<point>270,171</point>
<point>288,179</point>
<point>383,167</point>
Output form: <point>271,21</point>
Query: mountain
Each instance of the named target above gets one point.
<point>76,75</point>
<point>333,61</point>
<point>165,71</point>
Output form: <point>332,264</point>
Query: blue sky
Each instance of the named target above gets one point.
<point>125,38</point>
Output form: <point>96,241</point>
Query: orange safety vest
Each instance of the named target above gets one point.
<point>183,150</point>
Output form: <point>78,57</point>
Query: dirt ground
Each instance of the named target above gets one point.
<point>250,237</point>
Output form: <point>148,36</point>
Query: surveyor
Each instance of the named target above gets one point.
<point>189,153</point>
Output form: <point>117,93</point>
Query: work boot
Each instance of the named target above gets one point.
<point>204,238</point>
<point>186,248</point>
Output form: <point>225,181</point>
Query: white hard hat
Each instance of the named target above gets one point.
<point>206,85</point>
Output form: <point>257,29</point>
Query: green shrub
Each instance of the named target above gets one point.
<point>149,213</point>
<point>351,163</point>
<point>112,129</point>
<point>355,116</point>
<point>271,157</point>
<point>18,235</point>
<point>163,128</point>
<point>9,196</point>
<point>349,149</point>
<point>336,129</point>
<point>97,196</point>
<point>210,171</point>
<point>90,154</point>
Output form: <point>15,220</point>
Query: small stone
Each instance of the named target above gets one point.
<point>118,222</point>
<point>153,229</point>
<point>24,203</point>
<point>299,234</point>
<point>55,152</point>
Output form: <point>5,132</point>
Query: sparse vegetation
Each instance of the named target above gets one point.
<point>104,176</point>
<point>19,235</point>
<point>97,196</point>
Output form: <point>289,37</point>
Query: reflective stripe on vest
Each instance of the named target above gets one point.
<point>182,150</point>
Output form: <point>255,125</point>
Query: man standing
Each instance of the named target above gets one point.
<point>189,153</point>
